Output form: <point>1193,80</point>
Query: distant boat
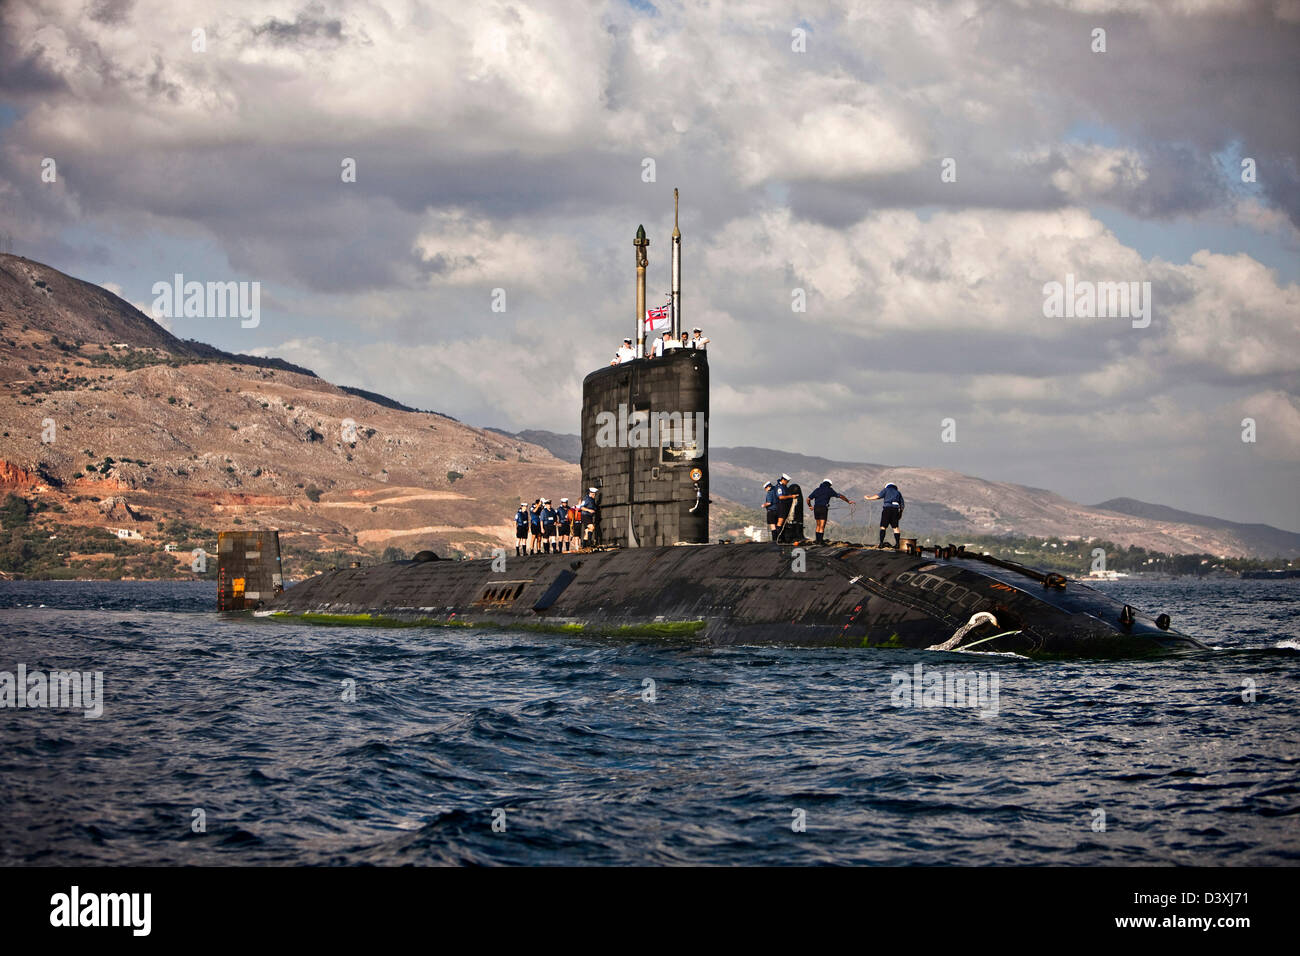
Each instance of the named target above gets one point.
<point>1103,576</point>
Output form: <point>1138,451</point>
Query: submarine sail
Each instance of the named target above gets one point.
<point>645,446</point>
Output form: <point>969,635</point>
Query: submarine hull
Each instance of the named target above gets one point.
<point>645,439</point>
<point>746,594</point>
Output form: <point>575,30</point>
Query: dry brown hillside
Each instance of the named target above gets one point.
<point>97,401</point>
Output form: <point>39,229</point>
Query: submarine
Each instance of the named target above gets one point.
<point>652,573</point>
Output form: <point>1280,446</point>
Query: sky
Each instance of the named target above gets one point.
<point>914,175</point>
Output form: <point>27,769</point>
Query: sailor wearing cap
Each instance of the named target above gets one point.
<point>891,511</point>
<point>565,526</point>
<point>820,502</point>
<point>535,527</point>
<point>669,342</point>
<point>790,524</point>
<point>589,510</point>
<point>550,521</point>
<point>578,518</point>
<point>521,529</point>
<point>626,353</point>
<point>699,340</point>
<point>772,508</point>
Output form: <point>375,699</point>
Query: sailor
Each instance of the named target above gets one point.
<point>772,508</point>
<point>589,510</point>
<point>891,511</point>
<point>578,525</point>
<point>576,517</point>
<point>662,344</point>
<point>535,527</point>
<point>521,530</point>
<point>565,526</point>
<point>686,340</point>
<point>669,342</point>
<point>699,340</point>
<point>550,521</point>
<point>626,353</point>
<point>820,502</point>
<point>790,525</point>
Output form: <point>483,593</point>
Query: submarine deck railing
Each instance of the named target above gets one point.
<point>1046,578</point>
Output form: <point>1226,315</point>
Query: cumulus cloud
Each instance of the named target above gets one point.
<point>1236,318</point>
<point>502,144</point>
<point>1089,172</point>
<point>461,250</point>
<point>1276,415</point>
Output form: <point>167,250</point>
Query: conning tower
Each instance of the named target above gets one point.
<point>645,435</point>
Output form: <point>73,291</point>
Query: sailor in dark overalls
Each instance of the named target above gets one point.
<point>566,523</point>
<point>790,524</point>
<point>550,521</point>
<point>891,511</point>
<point>535,526</point>
<point>772,507</point>
<point>820,501</point>
<point>521,530</point>
<point>590,512</point>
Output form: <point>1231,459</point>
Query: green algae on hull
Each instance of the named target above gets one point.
<point>659,629</point>
<point>364,620</point>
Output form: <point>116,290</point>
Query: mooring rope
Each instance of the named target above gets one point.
<point>985,640</point>
<point>978,618</point>
<point>853,507</point>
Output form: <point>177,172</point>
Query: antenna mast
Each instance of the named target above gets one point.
<point>677,273</point>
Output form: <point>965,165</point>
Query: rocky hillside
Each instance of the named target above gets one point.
<point>97,401</point>
<point>1261,538</point>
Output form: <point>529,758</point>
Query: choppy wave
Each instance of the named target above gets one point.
<point>343,746</point>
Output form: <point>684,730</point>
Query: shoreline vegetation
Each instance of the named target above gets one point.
<point>35,545</point>
<point>1076,558</point>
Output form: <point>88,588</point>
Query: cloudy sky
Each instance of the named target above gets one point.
<point>920,171</point>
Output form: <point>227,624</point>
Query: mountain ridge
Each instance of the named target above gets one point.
<point>99,402</point>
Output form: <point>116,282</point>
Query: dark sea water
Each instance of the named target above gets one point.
<point>245,721</point>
